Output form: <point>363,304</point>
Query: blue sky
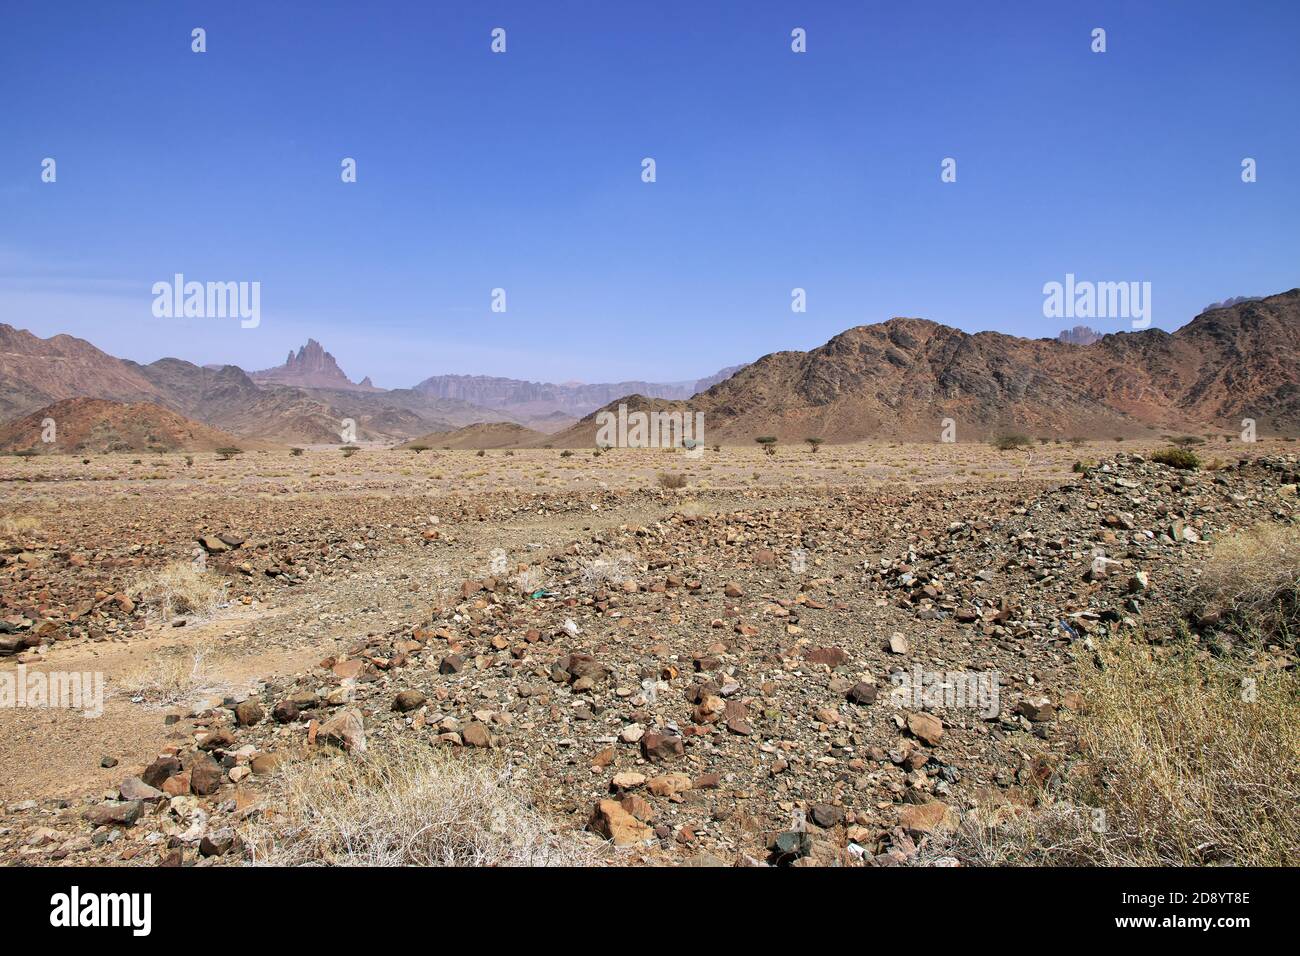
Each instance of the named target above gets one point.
<point>523,171</point>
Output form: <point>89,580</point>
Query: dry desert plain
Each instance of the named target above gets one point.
<point>643,674</point>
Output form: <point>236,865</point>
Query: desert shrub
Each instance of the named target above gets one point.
<point>229,452</point>
<point>1177,458</point>
<point>408,805</point>
<point>349,450</point>
<point>1011,442</point>
<point>1184,759</point>
<point>417,448</point>
<point>671,479</point>
<point>480,453</point>
<point>768,442</point>
<point>566,454</point>
<point>295,452</point>
<point>181,588</point>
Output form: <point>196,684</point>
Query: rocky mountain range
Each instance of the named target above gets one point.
<point>896,380</point>
<point>900,379</point>
<point>36,372</point>
<point>531,400</point>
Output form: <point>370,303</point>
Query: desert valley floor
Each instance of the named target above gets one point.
<point>664,675</point>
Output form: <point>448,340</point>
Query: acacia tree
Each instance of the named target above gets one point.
<point>769,444</point>
<point>815,443</point>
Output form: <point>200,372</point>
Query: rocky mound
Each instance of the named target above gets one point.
<point>101,426</point>
<point>482,435</point>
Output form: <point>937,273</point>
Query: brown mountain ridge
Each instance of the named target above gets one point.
<point>901,378</point>
<point>898,379</point>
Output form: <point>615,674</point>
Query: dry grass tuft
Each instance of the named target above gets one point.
<point>170,677</point>
<point>409,805</point>
<point>599,572</point>
<point>1186,759</point>
<point>1252,579</point>
<point>18,526</point>
<point>182,588</point>
<point>529,580</point>
<point>671,479</point>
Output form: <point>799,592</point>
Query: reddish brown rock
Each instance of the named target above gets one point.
<point>613,822</point>
<point>660,747</point>
<point>925,727</point>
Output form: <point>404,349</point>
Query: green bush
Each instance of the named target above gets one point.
<point>1009,442</point>
<point>1177,458</point>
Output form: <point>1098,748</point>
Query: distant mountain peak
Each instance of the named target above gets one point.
<point>1079,335</point>
<point>1229,302</point>
<point>311,367</point>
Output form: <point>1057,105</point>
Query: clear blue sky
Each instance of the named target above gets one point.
<point>522,171</point>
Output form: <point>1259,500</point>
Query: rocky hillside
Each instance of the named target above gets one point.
<point>35,372</point>
<point>101,426</point>
<point>901,378</point>
<point>483,435</point>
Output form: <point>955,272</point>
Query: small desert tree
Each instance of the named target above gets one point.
<point>769,444</point>
<point>225,454</point>
<point>814,443</point>
<point>1010,442</point>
